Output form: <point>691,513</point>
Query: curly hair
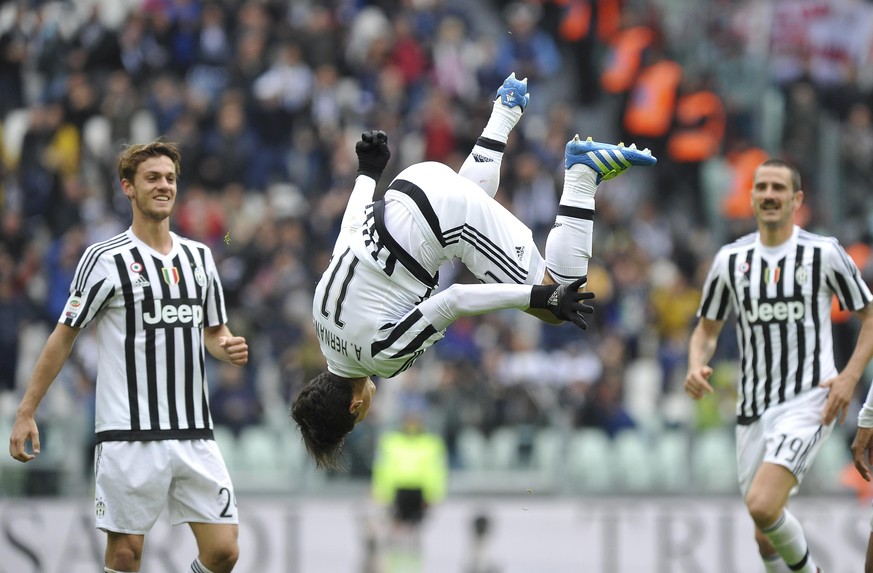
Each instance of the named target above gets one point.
<point>321,411</point>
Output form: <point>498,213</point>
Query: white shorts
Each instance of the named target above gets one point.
<point>789,435</point>
<point>135,480</point>
<point>436,215</point>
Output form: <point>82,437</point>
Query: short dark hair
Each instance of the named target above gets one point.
<point>321,411</point>
<point>133,155</point>
<point>795,173</point>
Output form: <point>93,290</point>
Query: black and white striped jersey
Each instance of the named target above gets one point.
<point>782,296</point>
<point>149,310</point>
<point>368,309</point>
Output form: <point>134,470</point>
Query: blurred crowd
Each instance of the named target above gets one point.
<point>267,97</point>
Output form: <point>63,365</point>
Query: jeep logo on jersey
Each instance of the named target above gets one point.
<point>178,313</point>
<point>773,310</point>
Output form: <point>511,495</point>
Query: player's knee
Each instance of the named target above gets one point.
<point>123,553</point>
<point>763,510</point>
<point>223,558</point>
<point>122,559</point>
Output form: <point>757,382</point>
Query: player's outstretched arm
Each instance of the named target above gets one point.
<point>561,302</point>
<point>373,155</point>
<point>55,352</point>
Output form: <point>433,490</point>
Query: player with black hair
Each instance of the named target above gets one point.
<point>376,308</point>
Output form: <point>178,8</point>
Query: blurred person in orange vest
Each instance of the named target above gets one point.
<point>648,113</point>
<point>624,60</point>
<point>700,123</point>
<point>584,27</point>
<point>742,159</point>
<point>696,136</point>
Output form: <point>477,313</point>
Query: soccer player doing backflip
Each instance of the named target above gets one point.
<point>377,307</point>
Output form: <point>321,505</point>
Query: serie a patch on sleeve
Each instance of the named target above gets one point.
<point>74,306</point>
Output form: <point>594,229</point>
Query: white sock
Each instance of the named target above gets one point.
<point>569,243</point>
<point>501,122</point>
<point>482,166</point>
<point>775,564</point>
<point>580,185</point>
<point>198,567</point>
<point>108,570</point>
<point>787,537</point>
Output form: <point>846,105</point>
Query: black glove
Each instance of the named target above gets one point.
<point>564,301</point>
<point>373,153</point>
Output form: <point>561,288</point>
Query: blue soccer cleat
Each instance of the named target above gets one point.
<point>605,159</point>
<point>513,92</point>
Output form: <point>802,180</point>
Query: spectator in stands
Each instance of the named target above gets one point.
<point>856,147</point>
<point>603,408</point>
<point>14,311</point>
<point>696,136</point>
<point>585,28</point>
<point>141,54</point>
<point>228,148</point>
<point>674,301</point>
<point>60,264</point>
<point>95,46</point>
<point>13,56</point>
<point>527,49</point>
<point>234,400</point>
<point>49,149</point>
<point>120,101</point>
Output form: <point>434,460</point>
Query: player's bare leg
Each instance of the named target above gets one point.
<point>217,544</point>
<point>124,551</point>
<point>766,501</point>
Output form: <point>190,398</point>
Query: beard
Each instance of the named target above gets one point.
<point>146,206</point>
